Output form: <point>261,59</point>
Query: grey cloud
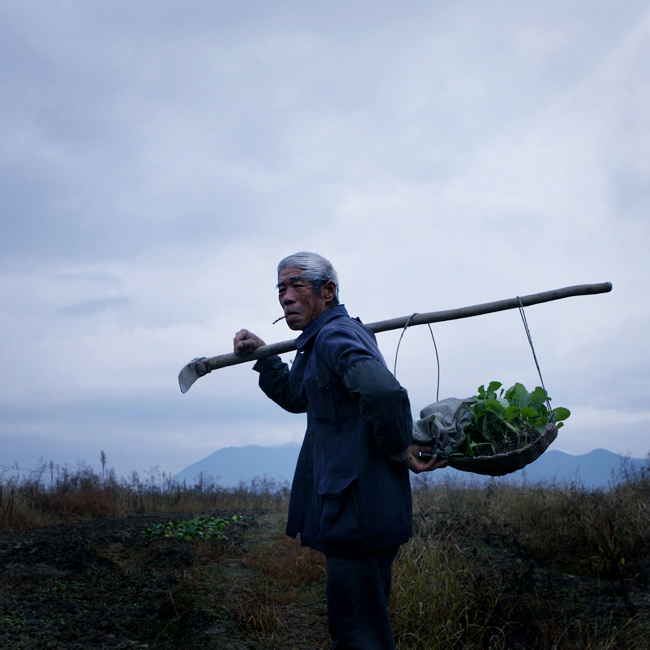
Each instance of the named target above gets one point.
<point>87,308</point>
<point>104,278</point>
<point>145,125</point>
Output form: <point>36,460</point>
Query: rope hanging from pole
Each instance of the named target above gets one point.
<point>408,324</point>
<point>532,347</point>
<point>528,335</point>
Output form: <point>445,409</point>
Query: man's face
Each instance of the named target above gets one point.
<point>301,304</point>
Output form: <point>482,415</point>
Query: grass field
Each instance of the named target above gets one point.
<point>489,567</point>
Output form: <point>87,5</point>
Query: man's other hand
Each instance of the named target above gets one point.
<point>410,458</point>
<point>246,342</point>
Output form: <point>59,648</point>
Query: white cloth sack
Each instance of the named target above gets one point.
<point>443,423</point>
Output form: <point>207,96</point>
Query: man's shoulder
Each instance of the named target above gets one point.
<point>345,322</point>
<point>343,341</point>
<point>343,330</point>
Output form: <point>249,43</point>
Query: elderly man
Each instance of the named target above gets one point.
<point>351,496</point>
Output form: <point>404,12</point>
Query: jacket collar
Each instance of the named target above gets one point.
<point>319,323</point>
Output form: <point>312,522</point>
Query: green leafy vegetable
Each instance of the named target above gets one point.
<point>199,528</point>
<point>505,420</point>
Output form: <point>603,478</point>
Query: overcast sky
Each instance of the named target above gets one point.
<point>157,159</point>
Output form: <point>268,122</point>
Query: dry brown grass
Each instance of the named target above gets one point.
<point>490,567</point>
<point>284,593</point>
<point>548,567</point>
<point>51,495</point>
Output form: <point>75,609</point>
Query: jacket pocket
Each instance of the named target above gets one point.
<point>321,401</point>
<point>339,510</point>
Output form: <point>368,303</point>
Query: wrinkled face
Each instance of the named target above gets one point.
<point>301,304</point>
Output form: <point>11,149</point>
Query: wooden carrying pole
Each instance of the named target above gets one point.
<point>265,351</point>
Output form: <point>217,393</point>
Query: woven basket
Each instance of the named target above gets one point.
<point>502,464</point>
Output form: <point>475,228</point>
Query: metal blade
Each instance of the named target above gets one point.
<point>187,376</point>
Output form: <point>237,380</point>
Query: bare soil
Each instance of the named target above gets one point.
<point>102,584</point>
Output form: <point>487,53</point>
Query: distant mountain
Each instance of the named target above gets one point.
<point>596,469</point>
<point>231,465</point>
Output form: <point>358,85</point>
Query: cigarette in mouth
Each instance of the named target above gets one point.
<point>277,320</point>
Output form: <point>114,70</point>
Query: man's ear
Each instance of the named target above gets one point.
<point>328,291</point>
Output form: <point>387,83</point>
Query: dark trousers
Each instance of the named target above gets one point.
<point>358,590</point>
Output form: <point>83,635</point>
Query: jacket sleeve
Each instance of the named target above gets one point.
<point>274,381</point>
<point>383,402</point>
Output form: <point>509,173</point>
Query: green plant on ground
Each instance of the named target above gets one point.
<point>197,528</point>
<point>13,620</point>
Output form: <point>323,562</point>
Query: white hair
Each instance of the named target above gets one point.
<point>316,269</point>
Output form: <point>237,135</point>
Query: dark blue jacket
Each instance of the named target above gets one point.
<point>347,496</point>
